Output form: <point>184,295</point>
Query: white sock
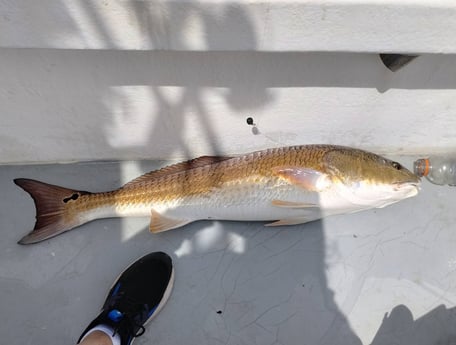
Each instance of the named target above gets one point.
<point>109,331</point>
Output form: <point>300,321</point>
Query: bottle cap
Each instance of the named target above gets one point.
<point>421,167</point>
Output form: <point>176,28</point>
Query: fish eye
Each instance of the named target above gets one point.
<point>396,165</point>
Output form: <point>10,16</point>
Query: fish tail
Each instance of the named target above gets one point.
<point>53,205</point>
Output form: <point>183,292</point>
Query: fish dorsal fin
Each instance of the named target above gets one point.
<point>176,168</point>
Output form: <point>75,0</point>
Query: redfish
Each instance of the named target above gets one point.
<point>289,185</point>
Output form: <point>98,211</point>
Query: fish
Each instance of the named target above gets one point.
<point>283,186</point>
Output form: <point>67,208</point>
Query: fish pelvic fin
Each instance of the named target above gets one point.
<point>52,205</point>
<point>160,223</point>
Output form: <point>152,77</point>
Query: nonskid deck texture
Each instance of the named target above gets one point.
<point>236,282</point>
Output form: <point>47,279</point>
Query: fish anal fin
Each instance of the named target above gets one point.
<point>290,221</point>
<point>309,179</point>
<point>160,223</point>
<point>177,168</point>
<point>292,204</point>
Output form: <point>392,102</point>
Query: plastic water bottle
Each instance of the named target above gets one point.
<point>438,170</point>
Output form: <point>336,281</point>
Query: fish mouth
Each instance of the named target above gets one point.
<point>413,186</point>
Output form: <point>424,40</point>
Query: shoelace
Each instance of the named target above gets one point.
<point>128,321</point>
<point>131,324</point>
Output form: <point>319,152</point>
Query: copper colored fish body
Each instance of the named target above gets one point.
<point>289,185</point>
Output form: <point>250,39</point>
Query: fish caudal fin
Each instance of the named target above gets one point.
<point>52,204</point>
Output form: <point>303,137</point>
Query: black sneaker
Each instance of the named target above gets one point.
<point>136,297</point>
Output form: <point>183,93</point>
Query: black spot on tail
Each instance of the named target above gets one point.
<point>75,196</point>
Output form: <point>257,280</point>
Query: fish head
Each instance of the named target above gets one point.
<point>369,179</point>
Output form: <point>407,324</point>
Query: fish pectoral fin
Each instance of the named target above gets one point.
<point>291,204</point>
<point>160,223</point>
<point>310,179</point>
<point>290,221</point>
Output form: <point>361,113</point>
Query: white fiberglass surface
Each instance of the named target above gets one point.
<point>379,277</point>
